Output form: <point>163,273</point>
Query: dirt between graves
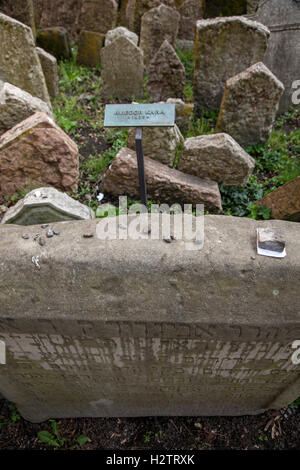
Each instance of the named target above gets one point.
<point>270,430</point>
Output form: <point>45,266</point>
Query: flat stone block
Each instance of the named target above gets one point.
<point>144,327</point>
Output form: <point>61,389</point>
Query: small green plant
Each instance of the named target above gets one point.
<point>15,416</point>
<point>55,439</point>
<point>147,437</point>
<point>295,404</point>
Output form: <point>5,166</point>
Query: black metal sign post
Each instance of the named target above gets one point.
<point>141,166</point>
<point>139,116</point>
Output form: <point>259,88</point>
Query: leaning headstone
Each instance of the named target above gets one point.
<point>49,66</point>
<point>158,24</point>
<point>64,13</point>
<point>284,202</point>
<point>159,143</point>
<point>37,152</point>
<point>166,74</point>
<point>190,11</point>
<point>55,40</point>
<point>217,157</point>
<point>283,52</point>
<point>121,31</point>
<point>19,61</point>
<point>223,48</point>
<point>249,106</point>
<point>89,48</point>
<point>163,183</point>
<point>21,10</point>
<point>46,205</point>
<point>122,70</point>
<point>214,8</point>
<point>135,10</point>
<point>98,15</point>
<point>17,105</point>
<point>183,113</point>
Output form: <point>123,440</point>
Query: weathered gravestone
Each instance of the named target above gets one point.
<point>17,105</point>
<point>249,106</point>
<point>55,40</point>
<point>21,10</point>
<point>19,61</point>
<point>166,74</point>
<point>64,13</point>
<point>190,11</point>
<point>135,9</point>
<point>120,31</point>
<point>163,183</point>
<point>98,15</point>
<point>223,48</point>
<point>144,327</point>
<point>49,66</point>
<point>283,52</point>
<point>36,152</point>
<point>89,48</point>
<point>217,157</point>
<point>46,205</point>
<point>158,24</point>
<point>122,69</point>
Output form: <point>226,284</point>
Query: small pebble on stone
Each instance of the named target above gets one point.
<point>167,240</point>
<point>45,225</point>
<point>25,236</point>
<point>56,232</point>
<point>42,241</point>
<point>88,235</point>
<point>49,233</point>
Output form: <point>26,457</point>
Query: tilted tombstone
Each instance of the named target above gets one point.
<point>98,15</point>
<point>223,48</point>
<point>19,61</point>
<point>135,9</point>
<point>283,52</point>
<point>250,104</point>
<point>122,70</point>
<point>190,11</point>
<point>158,24</point>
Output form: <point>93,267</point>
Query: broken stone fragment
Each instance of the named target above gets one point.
<point>163,183</point>
<point>56,207</point>
<point>269,239</point>
<point>284,201</point>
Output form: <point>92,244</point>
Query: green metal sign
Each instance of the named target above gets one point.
<point>139,115</point>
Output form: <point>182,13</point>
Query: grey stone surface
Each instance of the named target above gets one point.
<point>19,61</point>
<point>55,40</point>
<point>17,105</point>
<point>283,52</point>
<point>123,328</point>
<point>122,69</point>
<point>159,143</point>
<point>135,10</point>
<point>249,106</point>
<point>164,184</point>
<point>190,11</point>
<point>158,24</point>
<point>45,205</point>
<point>183,113</point>
<point>218,157</point>
<point>166,74</point>
<point>223,48</point>
<point>98,15</point>
<point>121,31</point>
<point>49,66</point>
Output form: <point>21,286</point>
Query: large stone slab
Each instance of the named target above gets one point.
<point>163,183</point>
<point>159,143</point>
<point>17,105</point>
<point>120,31</point>
<point>283,52</point>
<point>36,153</point>
<point>218,157</point>
<point>250,104</point>
<point>46,205</point>
<point>144,327</point>
<point>166,74</point>
<point>55,40</point>
<point>135,10</point>
<point>19,61</point>
<point>21,10</point>
<point>122,70</point>
<point>284,201</point>
<point>158,24</point>
<point>89,48</point>
<point>190,11</point>
<point>223,48</point>
<point>49,66</point>
<point>98,15</point>
<point>64,13</point>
